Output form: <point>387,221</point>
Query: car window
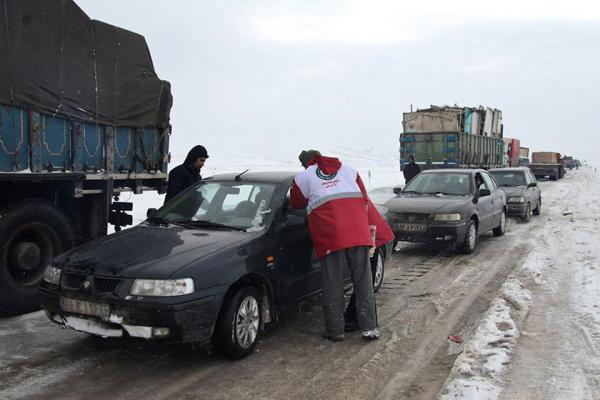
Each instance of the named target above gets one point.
<point>509,178</point>
<point>532,176</point>
<point>489,182</point>
<point>448,183</point>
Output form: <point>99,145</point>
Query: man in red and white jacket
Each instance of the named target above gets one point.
<point>337,204</point>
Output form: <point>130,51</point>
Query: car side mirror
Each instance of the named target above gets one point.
<point>397,190</point>
<point>532,184</point>
<point>484,192</point>
<point>150,212</point>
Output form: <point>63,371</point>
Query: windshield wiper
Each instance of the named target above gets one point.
<point>211,224</point>
<point>163,221</point>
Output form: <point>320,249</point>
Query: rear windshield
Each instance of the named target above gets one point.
<point>509,178</point>
<point>447,183</point>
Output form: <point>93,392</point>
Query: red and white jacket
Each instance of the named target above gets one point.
<point>336,202</point>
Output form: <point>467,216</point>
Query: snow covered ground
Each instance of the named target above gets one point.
<point>540,339</point>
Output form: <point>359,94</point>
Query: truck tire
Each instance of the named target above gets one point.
<point>32,233</point>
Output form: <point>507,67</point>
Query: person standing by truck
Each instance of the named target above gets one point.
<point>411,169</point>
<point>336,202</point>
<point>188,173</point>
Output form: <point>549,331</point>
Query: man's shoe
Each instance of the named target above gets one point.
<point>370,335</point>
<point>333,338</point>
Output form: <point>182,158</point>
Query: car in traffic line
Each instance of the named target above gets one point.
<point>523,195</point>
<point>446,206</point>
<point>217,263</point>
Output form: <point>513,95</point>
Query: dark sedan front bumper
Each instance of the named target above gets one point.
<point>162,319</point>
<point>432,232</point>
<point>516,209</point>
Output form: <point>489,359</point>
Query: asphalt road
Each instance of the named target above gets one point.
<point>427,295</point>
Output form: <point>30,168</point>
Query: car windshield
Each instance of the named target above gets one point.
<point>443,183</point>
<point>509,178</point>
<point>213,204</point>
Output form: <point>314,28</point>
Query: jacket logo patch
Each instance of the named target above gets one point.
<point>321,175</point>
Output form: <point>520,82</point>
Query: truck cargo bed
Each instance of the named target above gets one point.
<point>451,150</point>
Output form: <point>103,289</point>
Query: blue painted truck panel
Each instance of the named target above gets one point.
<point>34,142</point>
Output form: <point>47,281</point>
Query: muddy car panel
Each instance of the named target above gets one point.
<point>412,215</point>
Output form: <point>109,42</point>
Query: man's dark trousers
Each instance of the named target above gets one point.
<point>332,265</point>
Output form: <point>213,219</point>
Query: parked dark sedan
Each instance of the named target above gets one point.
<point>523,196</point>
<point>216,263</point>
<point>448,206</point>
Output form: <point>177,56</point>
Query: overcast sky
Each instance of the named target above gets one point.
<point>269,78</point>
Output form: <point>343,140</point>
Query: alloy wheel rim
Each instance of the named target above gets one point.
<point>378,271</point>
<point>246,322</point>
<point>472,236</point>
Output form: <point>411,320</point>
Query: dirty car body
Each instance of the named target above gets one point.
<point>523,195</point>
<point>175,276</point>
<point>438,206</point>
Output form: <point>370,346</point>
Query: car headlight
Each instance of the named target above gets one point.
<point>162,287</point>
<point>446,217</point>
<point>517,199</point>
<point>52,275</point>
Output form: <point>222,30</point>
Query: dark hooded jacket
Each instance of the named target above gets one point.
<point>410,171</point>
<point>185,175</point>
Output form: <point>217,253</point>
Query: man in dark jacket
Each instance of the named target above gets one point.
<point>188,173</point>
<point>411,169</point>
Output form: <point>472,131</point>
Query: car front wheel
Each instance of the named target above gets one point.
<point>500,230</point>
<point>377,269</point>
<point>238,327</point>
<point>527,216</point>
<point>470,237</point>
<point>538,209</point>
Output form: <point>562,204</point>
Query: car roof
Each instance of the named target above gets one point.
<point>255,176</point>
<point>453,170</point>
<point>510,169</point>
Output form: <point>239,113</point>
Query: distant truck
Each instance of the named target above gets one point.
<point>523,156</point>
<point>547,164</point>
<point>513,149</point>
<point>453,137</point>
<point>569,162</point>
<point>83,119</point>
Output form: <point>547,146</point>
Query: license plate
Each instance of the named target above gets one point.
<point>412,227</point>
<point>82,307</point>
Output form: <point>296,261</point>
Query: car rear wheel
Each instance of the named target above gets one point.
<point>470,237</point>
<point>377,268</point>
<point>538,209</point>
<point>527,216</point>
<point>238,327</point>
<point>500,230</point>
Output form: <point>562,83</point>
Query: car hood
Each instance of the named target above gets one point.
<point>148,251</point>
<point>513,190</point>
<point>426,204</point>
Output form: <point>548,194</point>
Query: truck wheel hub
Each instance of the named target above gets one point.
<point>27,255</point>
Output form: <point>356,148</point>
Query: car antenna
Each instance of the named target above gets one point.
<point>239,177</point>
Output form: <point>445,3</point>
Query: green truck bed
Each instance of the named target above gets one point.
<point>451,150</point>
